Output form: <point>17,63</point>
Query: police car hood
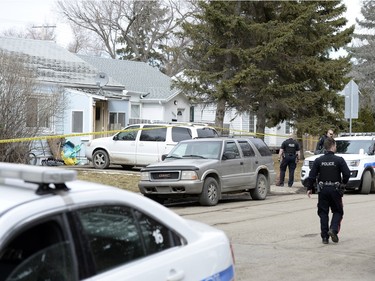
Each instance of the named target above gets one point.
<point>345,156</point>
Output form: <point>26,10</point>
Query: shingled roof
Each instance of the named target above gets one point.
<point>52,63</point>
<point>138,77</point>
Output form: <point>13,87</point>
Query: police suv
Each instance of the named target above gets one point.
<point>357,150</point>
<point>53,227</point>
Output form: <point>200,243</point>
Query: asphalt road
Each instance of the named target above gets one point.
<point>279,238</point>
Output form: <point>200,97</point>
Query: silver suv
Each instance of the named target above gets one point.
<point>207,168</point>
<point>142,144</point>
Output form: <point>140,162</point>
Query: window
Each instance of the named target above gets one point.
<point>179,134</point>
<point>153,133</point>
<point>231,147</point>
<point>135,111</point>
<point>129,134</point>
<point>207,133</point>
<point>36,114</point>
<point>262,147</point>
<point>116,120</point>
<point>77,121</point>
<point>246,148</point>
<point>38,253</point>
<point>118,235</point>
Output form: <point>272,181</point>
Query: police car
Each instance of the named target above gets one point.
<point>358,152</point>
<point>53,227</point>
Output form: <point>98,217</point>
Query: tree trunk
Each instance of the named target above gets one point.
<point>219,116</point>
<point>261,120</point>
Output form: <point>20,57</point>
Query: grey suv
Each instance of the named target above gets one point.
<point>207,168</point>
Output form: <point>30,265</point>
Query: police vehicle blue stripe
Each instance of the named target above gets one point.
<point>225,275</point>
<point>370,165</point>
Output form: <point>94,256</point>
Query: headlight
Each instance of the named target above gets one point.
<point>306,162</point>
<point>145,176</point>
<point>189,175</point>
<point>353,163</point>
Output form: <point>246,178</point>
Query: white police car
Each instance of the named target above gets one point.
<point>358,152</point>
<point>55,228</point>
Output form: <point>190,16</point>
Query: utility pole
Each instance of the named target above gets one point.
<point>44,28</point>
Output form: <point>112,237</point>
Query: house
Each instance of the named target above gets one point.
<point>243,124</point>
<point>150,93</point>
<point>105,94</point>
<point>152,99</point>
<point>92,99</point>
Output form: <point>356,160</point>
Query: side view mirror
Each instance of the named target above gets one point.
<point>163,157</point>
<point>115,137</point>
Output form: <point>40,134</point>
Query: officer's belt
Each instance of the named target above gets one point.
<point>328,184</point>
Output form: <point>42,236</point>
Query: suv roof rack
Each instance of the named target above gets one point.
<point>43,176</point>
<point>189,123</point>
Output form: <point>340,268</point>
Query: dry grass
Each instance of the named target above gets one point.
<point>123,179</point>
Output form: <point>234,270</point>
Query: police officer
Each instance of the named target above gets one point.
<point>331,173</point>
<point>288,155</point>
<point>320,144</point>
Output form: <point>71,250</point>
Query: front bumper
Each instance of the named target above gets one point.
<point>171,187</point>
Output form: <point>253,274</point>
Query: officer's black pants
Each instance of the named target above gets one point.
<point>290,163</point>
<point>328,198</point>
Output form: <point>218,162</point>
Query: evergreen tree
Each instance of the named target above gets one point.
<point>363,53</point>
<point>270,58</point>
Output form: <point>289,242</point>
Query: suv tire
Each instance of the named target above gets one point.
<point>100,159</point>
<point>261,189</point>
<point>210,192</point>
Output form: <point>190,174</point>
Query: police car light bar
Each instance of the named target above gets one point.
<point>36,174</point>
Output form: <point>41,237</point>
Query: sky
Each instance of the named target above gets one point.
<point>20,14</point>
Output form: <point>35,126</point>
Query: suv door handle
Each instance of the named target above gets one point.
<point>241,163</point>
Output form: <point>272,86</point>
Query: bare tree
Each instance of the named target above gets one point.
<point>85,42</point>
<point>16,86</point>
<point>40,32</point>
<point>24,111</point>
<point>133,30</point>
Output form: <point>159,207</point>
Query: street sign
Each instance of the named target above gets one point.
<point>351,100</point>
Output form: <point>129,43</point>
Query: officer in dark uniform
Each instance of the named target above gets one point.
<point>331,174</point>
<point>288,155</point>
<point>320,144</point>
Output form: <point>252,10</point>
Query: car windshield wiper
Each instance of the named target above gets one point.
<point>194,155</point>
<point>173,156</point>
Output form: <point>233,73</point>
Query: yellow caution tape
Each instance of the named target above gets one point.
<point>111,132</point>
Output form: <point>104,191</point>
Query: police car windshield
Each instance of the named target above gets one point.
<point>353,146</point>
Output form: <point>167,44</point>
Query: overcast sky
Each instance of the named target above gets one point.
<point>19,14</point>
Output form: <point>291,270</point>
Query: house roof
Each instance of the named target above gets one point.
<point>54,64</point>
<point>138,77</point>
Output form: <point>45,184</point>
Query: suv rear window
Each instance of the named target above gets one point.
<point>180,133</point>
<point>262,147</point>
<point>207,133</point>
